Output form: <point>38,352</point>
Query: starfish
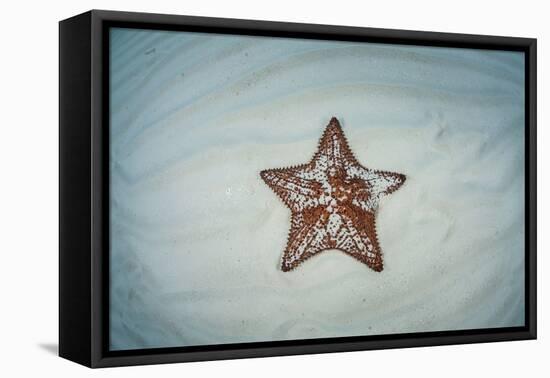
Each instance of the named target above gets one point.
<point>333,201</point>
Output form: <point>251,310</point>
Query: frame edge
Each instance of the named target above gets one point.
<point>74,189</point>
<point>531,109</point>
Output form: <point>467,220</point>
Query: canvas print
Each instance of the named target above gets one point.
<point>268,189</point>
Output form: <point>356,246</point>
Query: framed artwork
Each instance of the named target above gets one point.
<point>235,188</point>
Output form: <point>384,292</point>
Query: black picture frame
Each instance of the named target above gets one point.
<point>83,194</point>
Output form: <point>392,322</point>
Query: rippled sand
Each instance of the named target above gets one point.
<point>197,237</point>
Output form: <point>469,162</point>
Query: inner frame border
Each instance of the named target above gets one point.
<point>102,21</point>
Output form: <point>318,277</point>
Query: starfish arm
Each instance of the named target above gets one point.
<point>333,150</point>
<point>380,184</point>
<point>295,191</point>
<point>307,237</point>
<point>357,237</point>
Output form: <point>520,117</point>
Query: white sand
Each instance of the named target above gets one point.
<point>197,236</point>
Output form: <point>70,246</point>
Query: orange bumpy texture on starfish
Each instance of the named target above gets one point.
<point>333,200</point>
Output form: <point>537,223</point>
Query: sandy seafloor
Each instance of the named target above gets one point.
<point>197,237</point>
